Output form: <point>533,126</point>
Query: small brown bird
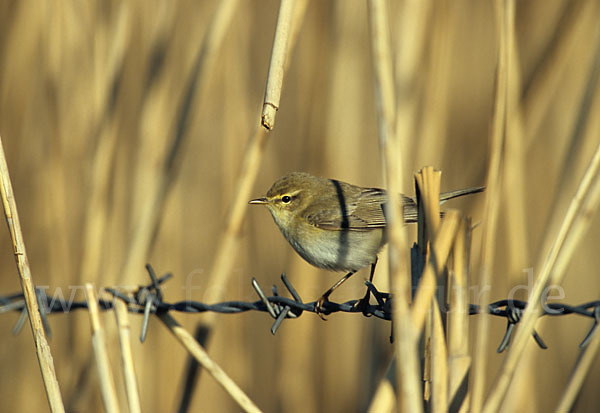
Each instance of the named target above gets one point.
<point>335,225</point>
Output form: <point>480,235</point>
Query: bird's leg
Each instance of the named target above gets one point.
<point>325,297</point>
<point>364,302</point>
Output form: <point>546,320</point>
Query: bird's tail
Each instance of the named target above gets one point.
<point>410,205</point>
<point>460,192</point>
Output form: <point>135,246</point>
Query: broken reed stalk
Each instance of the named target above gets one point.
<point>287,30</point>
<point>197,351</point>
<point>279,55</point>
<point>227,248</point>
<point>437,372</point>
<point>427,184</point>
<point>131,385</point>
<point>427,285</point>
<point>105,376</point>
<point>42,348</point>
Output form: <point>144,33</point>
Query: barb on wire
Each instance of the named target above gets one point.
<point>513,316</point>
<point>590,333</point>
<point>149,300</point>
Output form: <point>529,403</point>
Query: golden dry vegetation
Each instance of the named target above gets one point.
<point>95,94</point>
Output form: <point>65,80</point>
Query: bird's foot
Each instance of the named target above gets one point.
<point>319,306</point>
<point>363,304</point>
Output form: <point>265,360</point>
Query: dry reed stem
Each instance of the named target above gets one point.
<point>410,43</point>
<point>514,190</point>
<point>384,399</point>
<point>425,353</point>
<point>580,371</point>
<point>459,359</point>
<point>564,244</point>
<point>441,246</point>
<point>427,184</point>
<point>549,96</point>
<point>131,385</point>
<point>436,359</point>
<point>441,25</point>
<point>151,213</point>
<point>277,66</point>
<point>42,348</point>
<point>197,351</point>
<point>407,364</point>
<point>576,154</point>
<point>492,204</point>
<point>384,396</point>
<point>514,162</point>
<point>105,377</point>
<point>297,20</point>
<point>439,363</point>
<point>221,268</point>
<point>383,65</point>
<point>552,266</point>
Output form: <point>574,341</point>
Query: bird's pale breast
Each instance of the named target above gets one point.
<point>337,250</point>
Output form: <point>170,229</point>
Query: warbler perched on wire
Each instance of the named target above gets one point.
<point>335,225</point>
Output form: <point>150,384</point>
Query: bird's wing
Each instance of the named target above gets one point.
<point>349,210</point>
<point>360,211</point>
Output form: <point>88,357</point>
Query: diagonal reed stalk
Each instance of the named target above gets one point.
<point>552,265</point>
<point>42,348</point>
<point>288,23</point>
<point>197,351</point>
<point>577,377</point>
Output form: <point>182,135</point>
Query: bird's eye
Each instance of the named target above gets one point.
<point>286,199</point>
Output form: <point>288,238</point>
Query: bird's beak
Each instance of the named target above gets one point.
<point>259,201</point>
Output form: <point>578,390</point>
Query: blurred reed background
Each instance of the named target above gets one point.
<point>92,95</point>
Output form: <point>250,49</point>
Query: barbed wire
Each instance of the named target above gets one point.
<point>148,300</point>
